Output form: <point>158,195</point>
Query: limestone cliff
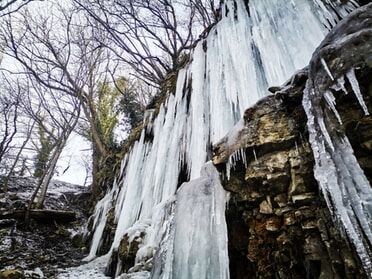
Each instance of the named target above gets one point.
<point>279,225</point>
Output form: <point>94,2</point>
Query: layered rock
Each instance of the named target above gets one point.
<point>278,221</point>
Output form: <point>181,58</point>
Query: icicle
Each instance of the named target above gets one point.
<point>296,146</point>
<point>331,101</point>
<point>100,217</point>
<point>329,11</point>
<point>324,63</point>
<point>254,154</point>
<point>342,181</point>
<point>325,133</point>
<point>244,157</point>
<point>340,85</point>
<point>238,155</point>
<point>147,115</point>
<point>230,164</point>
<point>355,86</point>
<point>148,119</point>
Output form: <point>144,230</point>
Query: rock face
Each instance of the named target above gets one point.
<point>278,221</point>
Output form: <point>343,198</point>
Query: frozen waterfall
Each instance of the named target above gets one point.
<point>229,71</point>
<point>199,221</point>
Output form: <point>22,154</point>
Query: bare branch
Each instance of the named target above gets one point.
<point>7,4</point>
<point>153,34</point>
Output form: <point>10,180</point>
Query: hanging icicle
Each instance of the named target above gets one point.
<point>345,187</point>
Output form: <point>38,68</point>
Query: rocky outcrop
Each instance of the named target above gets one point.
<point>123,258</point>
<point>278,221</point>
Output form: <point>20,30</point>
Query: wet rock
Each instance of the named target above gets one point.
<point>273,224</point>
<point>123,258</point>
<point>12,274</point>
<point>281,200</point>
<point>266,208</point>
<point>78,240</point>
<point>289,219</point>
<point>266,125</point>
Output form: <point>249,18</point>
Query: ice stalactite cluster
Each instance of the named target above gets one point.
<point>345,187</point>
<point>229,71</point>
<point>99,221</point>
<point>343,182</point>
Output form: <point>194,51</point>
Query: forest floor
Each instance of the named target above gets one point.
<point>47,245</point>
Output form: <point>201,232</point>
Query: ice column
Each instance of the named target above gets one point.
<point>198,246</point>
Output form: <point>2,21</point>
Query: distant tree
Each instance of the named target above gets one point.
<point>10,102</point>
<point>103,119</point>
<point>16,128</point>
<point>9,115</point>
<point>51,102</point>
<point>30,126</point>
<point>70,59</point>
<point>55,115</point>
<point>133,100</point>
<point>104,102</point>
<point>114,105</point>
<point>2,49</point>
<point>46,143</point>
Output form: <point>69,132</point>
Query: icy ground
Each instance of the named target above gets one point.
<point>94,269</point>
<point>45,247</point>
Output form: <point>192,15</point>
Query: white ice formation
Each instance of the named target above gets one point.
<point>184,227</point>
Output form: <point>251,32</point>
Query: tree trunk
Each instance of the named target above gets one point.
<point>44,215</point>
<point>43,183</point>
<point>49,174</point>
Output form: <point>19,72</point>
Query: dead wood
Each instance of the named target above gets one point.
<point>43,215</point>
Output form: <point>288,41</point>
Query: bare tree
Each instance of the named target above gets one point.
<point>155,35</point>
<point>60,53</point>
<point>16,128</point>
<point>56,115</point>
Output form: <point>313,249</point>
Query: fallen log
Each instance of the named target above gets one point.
<point>42,215</point>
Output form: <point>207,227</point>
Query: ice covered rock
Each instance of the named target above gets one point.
<point>339,67</point>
